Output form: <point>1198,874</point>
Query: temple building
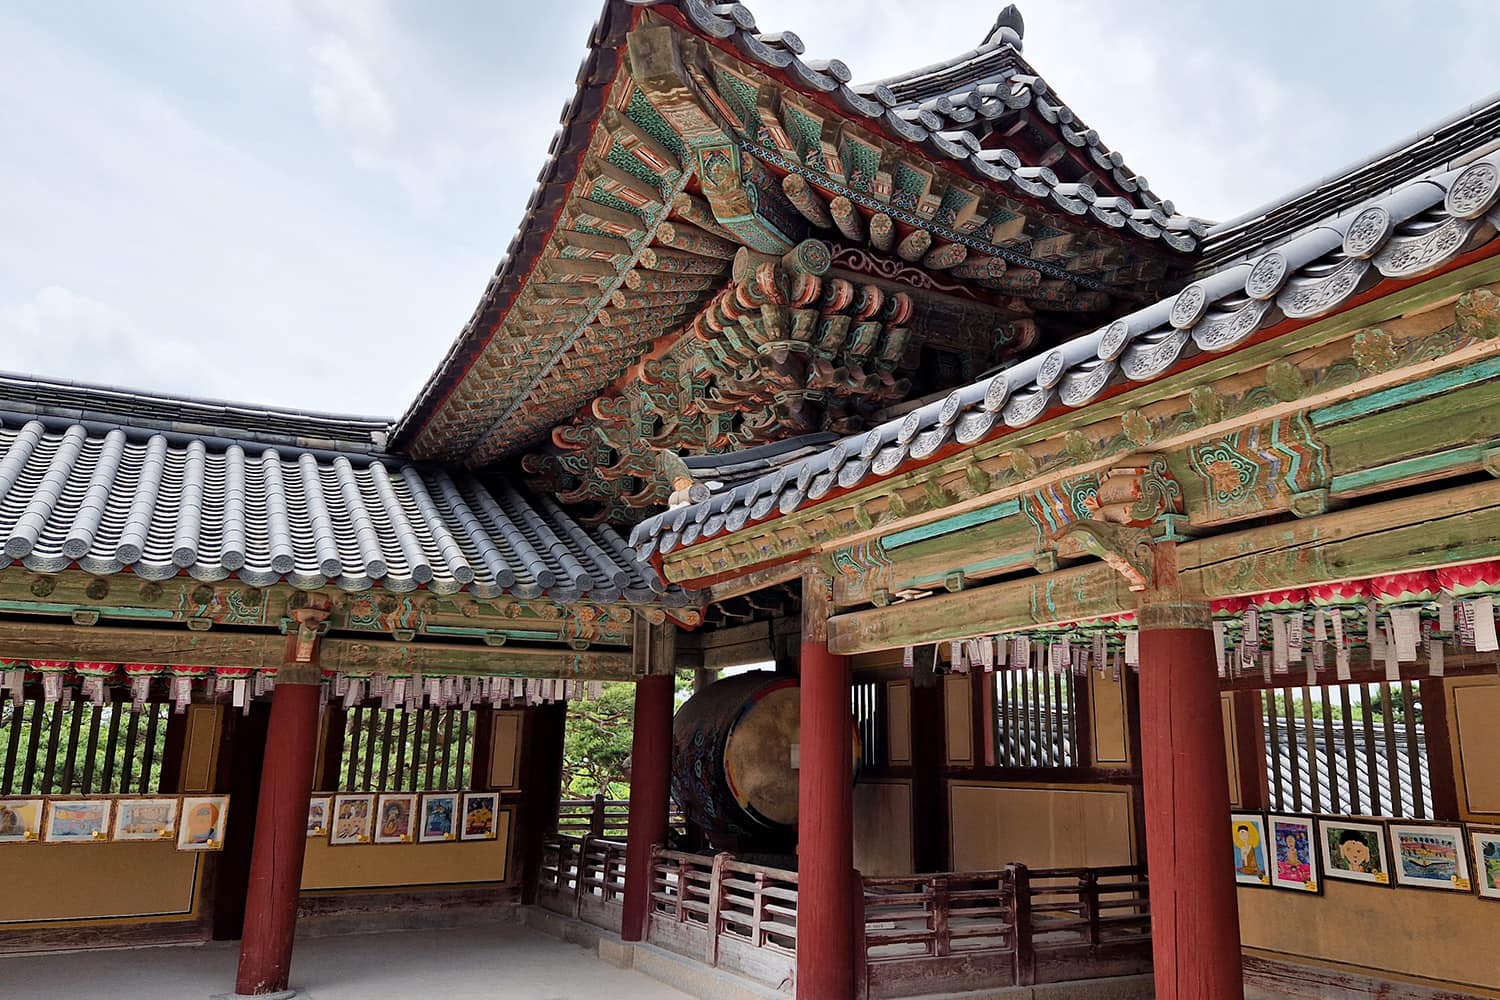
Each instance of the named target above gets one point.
<point>1121,584</point>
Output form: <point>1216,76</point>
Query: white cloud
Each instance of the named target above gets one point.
<point>60,332</point>
<point>345,95</point>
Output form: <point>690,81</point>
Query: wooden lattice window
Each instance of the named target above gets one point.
<point>869,717</point>
<point>81,748</point>
<point>1347,749</point>
<point>403,749</point>
<point>1035,718</point>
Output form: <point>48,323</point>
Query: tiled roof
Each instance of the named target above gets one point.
<point>947,111</point>
<point>1414,229</point>
<point>158,505</point>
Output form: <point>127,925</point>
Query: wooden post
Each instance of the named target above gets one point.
<point>1091,906</point>
<point>596,817</point>
<point>1020,887</point>
<point>1195,929</point>
<point>650,781</point>
<point>861,944</point>
<point>541,787</point>
<point>929,794</point>
<point>281,813</point>
<point>1434,696</point>
<point>825,808</point>
<point>715,904</point>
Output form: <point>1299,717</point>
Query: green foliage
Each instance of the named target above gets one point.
<point>596,746</point>
<point>36,717</point>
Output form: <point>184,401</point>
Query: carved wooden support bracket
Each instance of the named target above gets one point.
<point>307,624</point>
<point>1137,493</point>
<point>1126,549</point>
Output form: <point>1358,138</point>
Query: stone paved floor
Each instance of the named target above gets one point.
<point>497,962</point>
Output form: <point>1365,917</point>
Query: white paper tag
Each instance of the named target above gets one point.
<point>1219,632</point>
<point>1435,657</point>
<point>1133,648</point>
<point>1406,629</point>
<point>1484,626</point>
<point>1392,661</point>
<point>1445,613</point>
<point>1279,650</point>
<point>238,698</point>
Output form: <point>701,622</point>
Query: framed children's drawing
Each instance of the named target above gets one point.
<point>353,819</point>
<point>203,823</point>
<point>21,820</point>
<point>396,818</point>
<point>1486,844</point>
<point>78,821</point>
<point>438,819</point>
<point>479,816</point>
<point>1354,851</point>
<point>145,819</point>
<point>317,815</point>
<point>1247,832</point>
<point>1293,851</point>
<point>1429,856</point>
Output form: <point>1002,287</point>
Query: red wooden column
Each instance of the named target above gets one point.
<point>281,813</point>
<point>650,777</point>
<point>1195,927</point>
<point>825,810</point>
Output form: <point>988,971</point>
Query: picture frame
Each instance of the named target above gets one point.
<point>438,818</point>
<point>1293,854</point>
<point>1355,851</point>
<point>146,819</point>
<point>21,820</point>
<point>1429,856</point>
<point>1247,834</point>
<point>480,816</point>
<point>396,818</point>
<point>319,807</point>
<point>1485,842</point>
<point>201,822</point>
<point>78,821</point>
<point>353,820</point>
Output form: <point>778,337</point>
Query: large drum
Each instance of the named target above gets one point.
<point>732,768</point>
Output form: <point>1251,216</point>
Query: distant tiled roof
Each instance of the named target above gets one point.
<point>1416,228</point>
<point>109,406</point>
<point>156,504</point>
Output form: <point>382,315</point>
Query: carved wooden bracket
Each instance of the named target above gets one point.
<point>308,614</point>
<point>1136,494</point>
<point>1125,548</point>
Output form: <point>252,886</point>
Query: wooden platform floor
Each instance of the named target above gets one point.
<point>497,962</point>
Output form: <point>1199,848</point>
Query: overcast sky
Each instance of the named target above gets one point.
<point>298,203</point>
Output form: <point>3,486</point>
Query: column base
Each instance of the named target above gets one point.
<point>278,995</point>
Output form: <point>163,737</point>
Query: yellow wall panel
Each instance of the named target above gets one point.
<point>1041,826</point>
<point>201,749</point>
<point>1231,749</point>
<point>46,882</point>
<point>882,827</point>
<point>1448,937</point>
<point>958,696</point>
<point>1107,701</point>
<point>1474,707</point>
<point>365,866</point>
<point>505,750</point>
<point>898,723</point>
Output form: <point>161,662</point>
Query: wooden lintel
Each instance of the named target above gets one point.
<point>753,581</point>
<point>46,641</point>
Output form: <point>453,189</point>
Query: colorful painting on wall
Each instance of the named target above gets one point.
<point>78,821</point>
<point>1294,860</point>
<point>317,815</point>
<point>396,818</point>
<point>1248,832</point>
<point>145,819</point>
<point>479,816</point>
<point>1486,845</point>
<point>1354,851</point>
<point>1430,857</point>
<point>203,822</point>
<point>20,820</point>
<point>353,819</point>
<point>438,812</point>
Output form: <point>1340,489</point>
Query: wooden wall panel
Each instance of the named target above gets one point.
<point>82,882</point>
<point>883,827</point>
<point>505,751</point>
<point>367,866</point>
<point>958,719</point>
<point>1447,938</point>
<point>898,723</point>
<point>1473,708</point>
<point>1044,826</point>
<point>201,748</point>
<point>1107,705</point>
<point>1231,749</point>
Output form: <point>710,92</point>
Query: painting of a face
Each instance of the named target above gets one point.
<point>201,822</point>
<point>1356,853</point>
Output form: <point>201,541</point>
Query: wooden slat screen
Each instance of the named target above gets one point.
<point>869,716</point>
<point>1034,719</point>
<point>81,748</point>
<point>1347,749</point>
<point>406,750</point>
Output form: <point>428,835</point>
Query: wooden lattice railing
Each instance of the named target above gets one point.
<point>943,932</point>
<point>608,819</point>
